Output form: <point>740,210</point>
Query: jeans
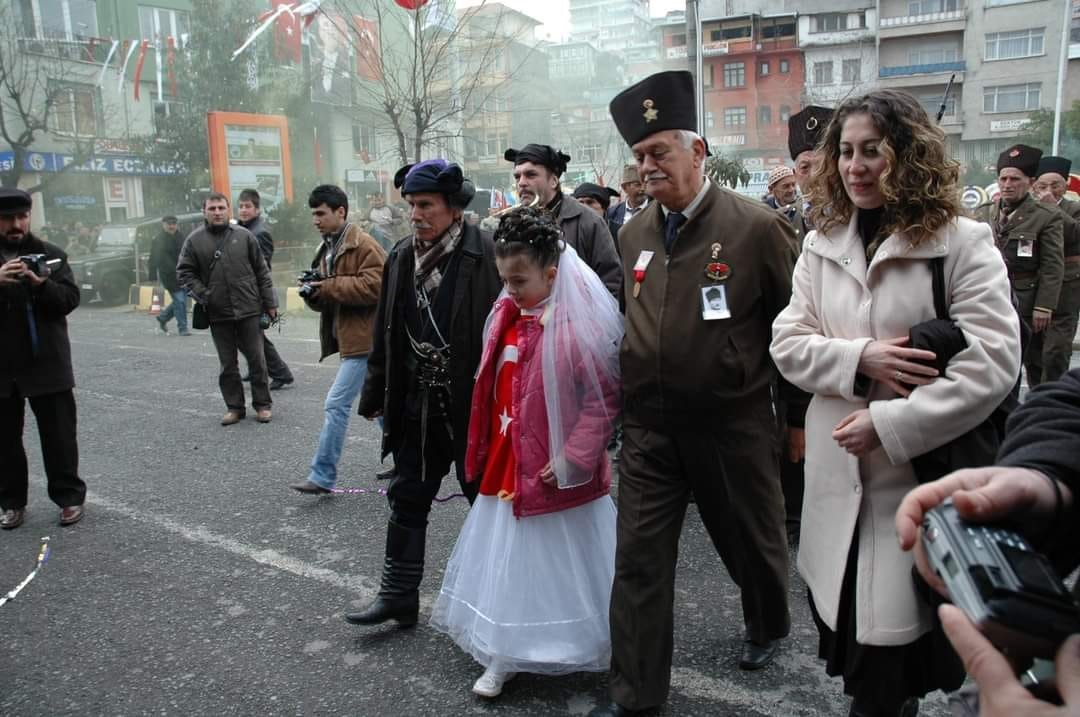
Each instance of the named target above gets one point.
<point>339,401</point>
<point>177,309</point>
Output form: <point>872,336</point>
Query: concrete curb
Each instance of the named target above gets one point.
<point>140,297</point>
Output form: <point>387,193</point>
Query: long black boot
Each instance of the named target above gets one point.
<point>399,595</point>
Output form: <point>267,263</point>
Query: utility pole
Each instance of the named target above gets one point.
<point>1063,65</point>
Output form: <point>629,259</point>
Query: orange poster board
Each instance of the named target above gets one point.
<point>250,151</point>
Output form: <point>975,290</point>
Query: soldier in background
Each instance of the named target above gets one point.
<point>1029,235</point>
<point>1057,344</point>
<point>805,129</point>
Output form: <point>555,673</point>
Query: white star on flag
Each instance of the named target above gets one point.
<point>504,421</point>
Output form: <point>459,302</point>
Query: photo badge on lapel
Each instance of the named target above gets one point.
<point>714,304</point>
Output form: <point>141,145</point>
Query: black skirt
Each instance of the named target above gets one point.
<point>883,676</point>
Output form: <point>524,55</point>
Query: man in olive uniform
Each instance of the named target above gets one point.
<point>698,418</point>
<point>1057,344</point>
<point>1029,235</point>
<point>537,172</point>
<point>805,129</point>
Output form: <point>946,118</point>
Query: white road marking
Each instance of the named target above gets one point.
<point>264,556</point>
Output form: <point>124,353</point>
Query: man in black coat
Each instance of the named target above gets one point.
<point>35,364</point>
<point>249,212</point>
<point>224,270</point>
<point>164,253</point>
<point>437,290</point>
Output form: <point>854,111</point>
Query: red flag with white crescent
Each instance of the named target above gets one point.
<point>286,34</point>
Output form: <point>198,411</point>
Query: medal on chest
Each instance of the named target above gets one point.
<point>640,267</point>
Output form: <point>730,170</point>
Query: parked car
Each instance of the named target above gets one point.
<point>107,272</point>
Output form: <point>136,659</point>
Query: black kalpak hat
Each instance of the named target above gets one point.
<point>169,219</point>
<point>1022,157</point>
<point>14,201</point>
<point>542,154</point>
<point>1056,165</point>
<point>660,102</point>
<point>806,127</point>
<point>602,195</point>
<point>436,176</point>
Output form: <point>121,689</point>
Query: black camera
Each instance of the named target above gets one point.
<point>306,277</point>
<point>1010,591</point>
<point>38,264</point>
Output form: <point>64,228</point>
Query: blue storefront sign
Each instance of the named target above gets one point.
<point>114,165</point>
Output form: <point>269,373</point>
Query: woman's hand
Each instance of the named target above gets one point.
<point>796,444</point>
<point>892,363</point>
<point>547,475</point>
<point>856,433</point>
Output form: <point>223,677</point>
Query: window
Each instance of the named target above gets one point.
<point>716,35</point>
<point>735,117</point>
<point>785,113</point>
<point>830,22</point>
<point>933,55</point>
<point>735,74</point>
<point>780,27</point>
<point>709,76</point>
<point>678,40</point>
<point>823,73</point>
<point>364,141</point>
<point>784,67</point>
<point>733,32</point>
<point>850,71</point>
<point>1010,45</point>
<point>158,23</point>
<point>764,115</point>
<point>926,7</point>
<point>493,144</point>
<point>59,19</point>
<point>591,153</point>
<point>710,120</point>
<point>75,110</point>
<point>1012,98</point>
<point>763,69</point>
<point>932,103</point>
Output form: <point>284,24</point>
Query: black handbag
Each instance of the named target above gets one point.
<point>979,446</point>
<point>199,318</point>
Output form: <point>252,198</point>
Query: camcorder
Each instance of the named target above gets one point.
<point>305,278</point>
<point>38,264</point>
<point>1007,589</point>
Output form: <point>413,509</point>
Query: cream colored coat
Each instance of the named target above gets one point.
<point>838,306</point>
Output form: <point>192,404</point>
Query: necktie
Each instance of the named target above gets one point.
<point>671,229</point>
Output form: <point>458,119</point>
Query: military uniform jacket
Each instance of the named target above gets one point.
<point>676,366</point>
<point>1036,229</point>
<point>1071,210</point>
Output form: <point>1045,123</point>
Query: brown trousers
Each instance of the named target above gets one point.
<point>731,468</point>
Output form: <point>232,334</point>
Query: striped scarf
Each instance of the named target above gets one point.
<point>428,257</point>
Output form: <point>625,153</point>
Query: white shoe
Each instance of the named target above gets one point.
<point>491,682</point>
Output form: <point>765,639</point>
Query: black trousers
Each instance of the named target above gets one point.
<point>276,367</point>
<point>55,414</point>
<point>731,470</point>
<point>410,492</point>
<point>243,336</point>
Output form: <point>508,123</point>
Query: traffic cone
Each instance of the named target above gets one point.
<point>155,303</point>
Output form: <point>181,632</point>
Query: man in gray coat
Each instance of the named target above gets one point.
<point>223,269</point>
<point>537,170</point>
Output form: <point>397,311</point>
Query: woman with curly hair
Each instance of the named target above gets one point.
<point>886,203</point>
<point>528,584</point>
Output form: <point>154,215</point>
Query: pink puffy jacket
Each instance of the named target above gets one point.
<point>529,430</point>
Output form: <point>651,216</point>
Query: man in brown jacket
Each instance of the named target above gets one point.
<point>1029,235</point>
<point>1057,344</point>
<point>351,263</point>
<point>706,272</point>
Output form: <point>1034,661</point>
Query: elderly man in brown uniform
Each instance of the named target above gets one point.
<point>706,273</point>
<point>1029,235</point>
<point>1057,344</point>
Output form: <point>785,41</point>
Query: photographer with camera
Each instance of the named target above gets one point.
<point>37,292</point>
<point>223,269</point>
<point>1034,487</point>
<point>343,285</point>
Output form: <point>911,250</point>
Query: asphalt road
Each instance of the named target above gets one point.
<point>198,583</point>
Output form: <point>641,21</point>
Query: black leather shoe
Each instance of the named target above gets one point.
<point>405,609</point>
<point>13,518</point>
<point>71,515</point>
<point>616,710</point>
<point>277,384</point>
<point>755,656</point>
<point>310,488</point>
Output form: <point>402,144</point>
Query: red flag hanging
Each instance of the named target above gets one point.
<point>286,34</point>
<point>368,57</point>
<point>137,79</point>
<point>171,43</point>
<point>411,4</point>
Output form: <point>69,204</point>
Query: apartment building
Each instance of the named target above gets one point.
<point>839,47</point>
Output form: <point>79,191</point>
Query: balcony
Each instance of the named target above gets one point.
<point>936,73</point>
<point>929,23</point>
